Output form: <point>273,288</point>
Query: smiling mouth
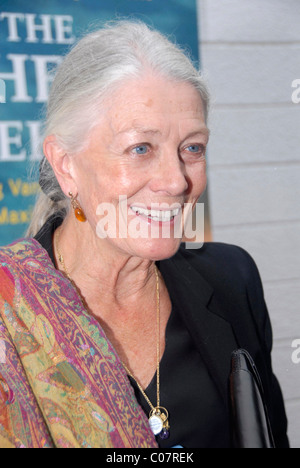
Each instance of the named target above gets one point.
<point>165,216</point>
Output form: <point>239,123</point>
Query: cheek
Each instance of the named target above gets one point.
<point>105,183</point>
<point>87,186</point>
<point>197,179</point>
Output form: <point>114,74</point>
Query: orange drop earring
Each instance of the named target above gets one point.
<point>78,211</point>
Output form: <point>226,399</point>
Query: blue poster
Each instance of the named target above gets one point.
<point>33,37</point>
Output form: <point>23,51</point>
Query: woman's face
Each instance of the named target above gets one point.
<point>145,159</point>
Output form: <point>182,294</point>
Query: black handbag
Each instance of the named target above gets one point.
<point>251,425</point>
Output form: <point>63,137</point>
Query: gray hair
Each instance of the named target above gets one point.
<point>99,62</point>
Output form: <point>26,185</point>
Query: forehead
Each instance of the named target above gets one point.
<point>152,100</point>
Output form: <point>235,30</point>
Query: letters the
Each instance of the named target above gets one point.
<point>48,29</point>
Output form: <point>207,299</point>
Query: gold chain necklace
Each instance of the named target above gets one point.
<point>158,416</point>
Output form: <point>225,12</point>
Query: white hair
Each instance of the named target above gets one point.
<point>97,64</point>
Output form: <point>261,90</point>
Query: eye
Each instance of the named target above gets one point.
<point>140,149</point>
<point>195,149</point>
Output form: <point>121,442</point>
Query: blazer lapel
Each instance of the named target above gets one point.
<point>212,334</point>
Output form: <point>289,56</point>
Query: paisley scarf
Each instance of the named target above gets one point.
<point>61,382</point>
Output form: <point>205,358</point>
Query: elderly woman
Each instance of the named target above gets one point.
<point>112,336</point>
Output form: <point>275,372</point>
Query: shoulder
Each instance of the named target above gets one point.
<point>10,257</point>
<point>216,251</point>
<point>22,254</point>
<point>221,263</point>
<point>233,276</point>
<point>20,248</point>
<point>12,253</point>
<point>9,253</point>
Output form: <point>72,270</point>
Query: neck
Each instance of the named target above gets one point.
<point>102,273</point>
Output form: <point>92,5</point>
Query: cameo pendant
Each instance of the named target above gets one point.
<point>158,421</point>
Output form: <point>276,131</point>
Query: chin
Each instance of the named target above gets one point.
<point>157,249</point>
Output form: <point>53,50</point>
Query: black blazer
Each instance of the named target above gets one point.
<point>221,299</point>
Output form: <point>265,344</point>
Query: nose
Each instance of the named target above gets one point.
<point>170,176</point>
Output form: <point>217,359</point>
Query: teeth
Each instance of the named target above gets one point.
<point>156,215</point>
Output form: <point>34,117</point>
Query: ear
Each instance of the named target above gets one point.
<point>60,162</point>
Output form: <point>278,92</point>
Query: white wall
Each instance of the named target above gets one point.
<point>250,52</point>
